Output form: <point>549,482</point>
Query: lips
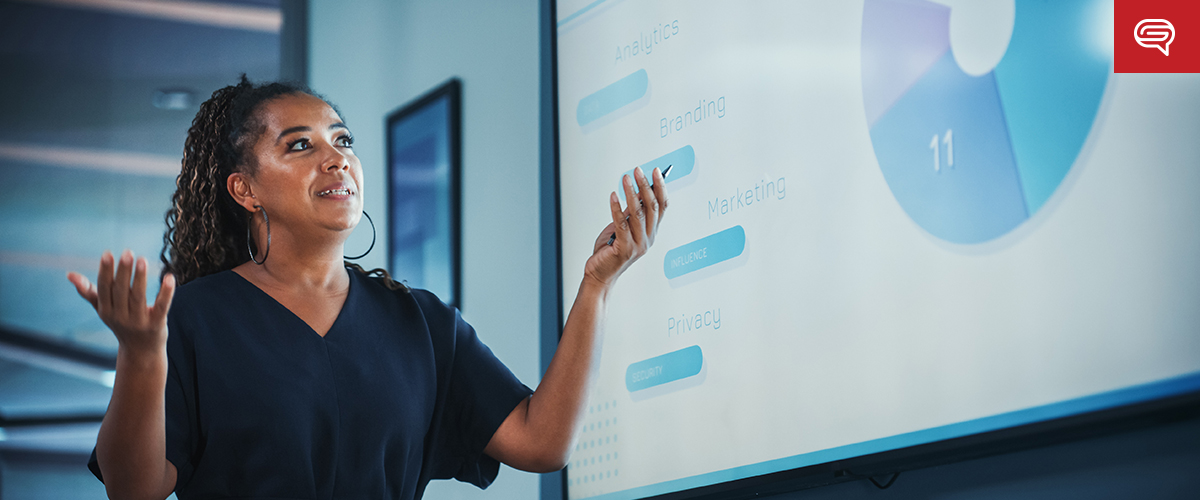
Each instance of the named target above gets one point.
<point>338,189</point>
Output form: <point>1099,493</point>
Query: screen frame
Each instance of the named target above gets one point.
<point>451,90</point>
<point>883,466</point>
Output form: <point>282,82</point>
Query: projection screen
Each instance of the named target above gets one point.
<point>891,222</point>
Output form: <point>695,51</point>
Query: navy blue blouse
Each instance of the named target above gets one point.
<point>258,405</point>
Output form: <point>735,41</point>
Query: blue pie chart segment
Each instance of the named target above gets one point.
<point>969,158</point>
<point>979,197</point>
<point>1051,82</point>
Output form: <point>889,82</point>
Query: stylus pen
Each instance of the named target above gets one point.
<point>613,238</point>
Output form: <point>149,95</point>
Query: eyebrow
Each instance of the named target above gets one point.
<point>305,128</point>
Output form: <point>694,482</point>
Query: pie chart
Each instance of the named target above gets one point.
<point>978,109</point>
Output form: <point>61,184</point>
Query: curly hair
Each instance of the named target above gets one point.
<point>206,228</point>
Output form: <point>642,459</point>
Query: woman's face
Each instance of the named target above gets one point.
<point>307,175</point>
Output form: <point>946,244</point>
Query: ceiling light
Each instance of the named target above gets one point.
<point>174,98</point>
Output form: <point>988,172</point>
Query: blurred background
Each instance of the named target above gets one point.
<point>96,97</point>
<point>95,101</point>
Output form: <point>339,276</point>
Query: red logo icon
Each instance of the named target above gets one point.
<point>1156,36</point>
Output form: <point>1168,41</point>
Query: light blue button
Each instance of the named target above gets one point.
<point>613,97</point>
<point>659,370</point>
<point>704,252</point>
<point>681,161</point>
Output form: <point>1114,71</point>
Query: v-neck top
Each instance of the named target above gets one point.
<point>399,391</point>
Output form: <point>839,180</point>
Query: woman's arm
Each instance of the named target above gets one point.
<point>131,447</point>
<point>539,434</point>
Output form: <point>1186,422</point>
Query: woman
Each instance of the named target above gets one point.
<point>281,371</point>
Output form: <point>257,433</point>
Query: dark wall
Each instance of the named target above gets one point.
<point>1162,461</point>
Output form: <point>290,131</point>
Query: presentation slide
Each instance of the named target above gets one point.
<point>891,222</point>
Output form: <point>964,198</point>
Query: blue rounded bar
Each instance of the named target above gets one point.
<point>659,370</point>
<point>613,97</point>
<point>681,161</point>
<point>704,252</point>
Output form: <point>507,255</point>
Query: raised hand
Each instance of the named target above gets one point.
<point>634,228</point>
<point>122,306</point>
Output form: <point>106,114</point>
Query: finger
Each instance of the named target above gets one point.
<point>104,282</point>
<point>633,208</point>
<point>162,303</point>
<point>649,201</point>
<point>620,225</point>
<point>660,192</point>
<point>84,287</point>
<point>137,295</point>
<point>120,290</point>
<point>607,234</point>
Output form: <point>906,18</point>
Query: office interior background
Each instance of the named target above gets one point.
<point>95,100</point>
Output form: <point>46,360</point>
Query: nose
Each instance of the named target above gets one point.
<point>335,160</point>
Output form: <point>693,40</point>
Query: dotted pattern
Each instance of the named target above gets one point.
<point>596,457</point>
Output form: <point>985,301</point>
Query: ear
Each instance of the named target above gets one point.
<point>241,191</point>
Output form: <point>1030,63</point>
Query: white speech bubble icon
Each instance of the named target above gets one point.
<point>1155,33</point>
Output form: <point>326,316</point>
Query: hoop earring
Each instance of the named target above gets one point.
<point>364,254</point>
<point>249,240</point>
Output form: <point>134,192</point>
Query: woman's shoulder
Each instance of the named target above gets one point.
<point>203,305</point>
<point>436,313</point>
<point>208,288</point>
<point>376,284</point>
<point>208,302</point>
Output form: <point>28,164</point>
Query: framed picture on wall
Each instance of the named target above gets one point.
<point>423,159</point>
